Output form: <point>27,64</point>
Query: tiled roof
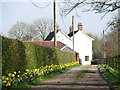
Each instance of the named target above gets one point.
<point>71,33</point>
<point>50,36</point>
<point>47,43</point>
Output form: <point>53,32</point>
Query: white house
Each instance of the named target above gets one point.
<point>82,43</point>
<point>60,36</point>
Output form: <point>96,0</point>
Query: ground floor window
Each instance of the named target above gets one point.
<point>86,58</point>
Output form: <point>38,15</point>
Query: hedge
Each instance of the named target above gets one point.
<point>13,55</point>
<point>18,55</point>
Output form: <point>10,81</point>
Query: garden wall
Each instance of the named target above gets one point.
<point>17,55</point>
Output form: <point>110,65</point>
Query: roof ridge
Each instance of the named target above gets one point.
<point>87,35</point>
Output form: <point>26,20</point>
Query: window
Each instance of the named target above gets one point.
<point>86,58</point>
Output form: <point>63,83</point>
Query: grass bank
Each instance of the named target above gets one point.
<point>112,75</point>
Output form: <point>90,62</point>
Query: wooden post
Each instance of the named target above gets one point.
<point>119,33</point>
<point>118,63</point>
<point>55,42</point>
<point>73,30</point>
<point>104,45</point>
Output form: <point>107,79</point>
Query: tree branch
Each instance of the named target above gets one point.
<point>39,6</point>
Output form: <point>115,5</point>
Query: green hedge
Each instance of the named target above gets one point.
<point>64,57</point>
<point>17,55</point>
<point>37,56</point>
<point>13,55</point>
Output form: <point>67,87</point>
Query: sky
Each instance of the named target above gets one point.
<point>25,11</point>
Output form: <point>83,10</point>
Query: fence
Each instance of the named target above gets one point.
<point>113,62</point>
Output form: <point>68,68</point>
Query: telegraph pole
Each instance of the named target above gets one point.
<point>119,34</point>
<point>104,44</point>
<point>73,30</point>
<point>55,42</point>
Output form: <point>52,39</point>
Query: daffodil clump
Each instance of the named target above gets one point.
<point>13,79</point>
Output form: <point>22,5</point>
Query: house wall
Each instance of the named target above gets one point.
<point>62,38</point>
<point>83,45</point>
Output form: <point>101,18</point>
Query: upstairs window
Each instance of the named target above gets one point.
<point>86,58</point>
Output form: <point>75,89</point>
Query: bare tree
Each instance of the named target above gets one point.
<point>21,31</point>
<point>43,27</point>
<point>112,45</point>
<point>99,6</point>
<point>38,30</point>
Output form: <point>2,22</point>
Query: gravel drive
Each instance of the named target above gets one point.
<point>67,80</point>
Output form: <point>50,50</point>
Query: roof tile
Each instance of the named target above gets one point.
<point>47,43</point>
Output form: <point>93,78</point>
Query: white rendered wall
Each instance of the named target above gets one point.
<point>83,45</point>
<point>62,38</point>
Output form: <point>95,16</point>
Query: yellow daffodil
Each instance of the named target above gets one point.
<point>3,77</point>
<point>4,81</point>
<point>39,74</point>
<point>33,72</point>
<point>7,78</point>
<point>8,84</point>
<point>20,78</point>
<point>18,71</point>
<point>27,70</point>
<point>13,78</point>
<point>25,73</point>
<point>31,75</point>
<point>10,74</point>
<point>15,73</point>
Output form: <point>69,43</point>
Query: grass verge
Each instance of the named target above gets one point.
<point>27,84</point>
<point>80,74</point>
<point>112,75</point>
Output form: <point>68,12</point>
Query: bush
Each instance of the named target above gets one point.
<point>17,55</point>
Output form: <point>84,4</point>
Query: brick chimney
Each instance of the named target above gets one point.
<point>57,27</point>
<point>70,28</point>
<point>80,26</point>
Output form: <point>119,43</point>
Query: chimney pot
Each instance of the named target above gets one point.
<point>80,26</point>
<point>57,27</point>
<point>70,28</point>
